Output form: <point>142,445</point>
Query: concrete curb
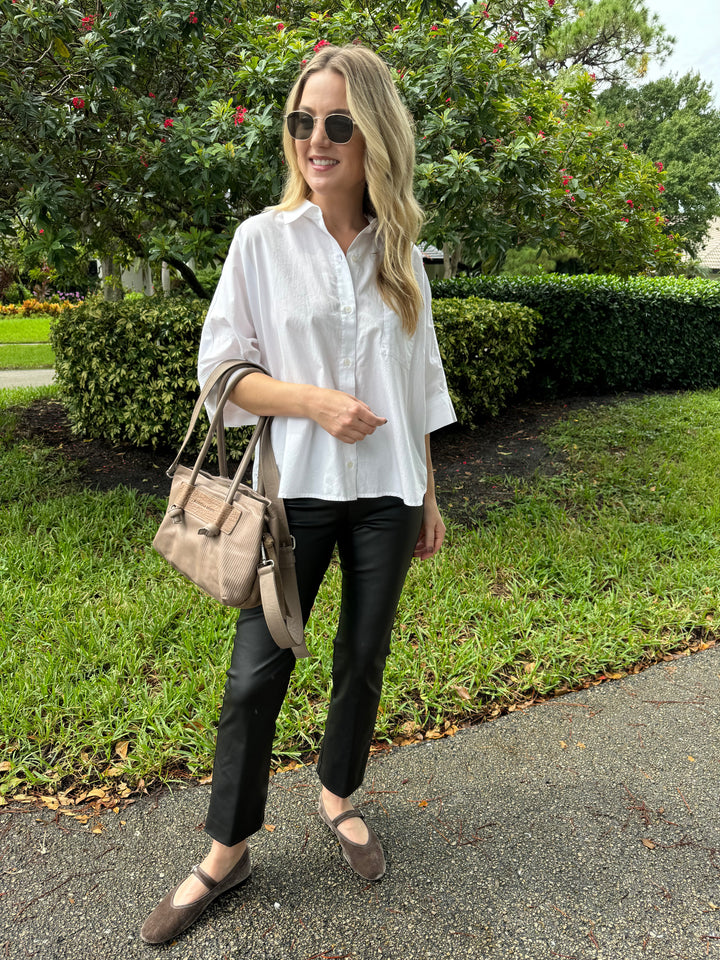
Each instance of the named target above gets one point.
<point>26,378</point>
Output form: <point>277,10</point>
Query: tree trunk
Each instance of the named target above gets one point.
<point>451,259</point>
<point>189,277</point>
<point>111,285</point>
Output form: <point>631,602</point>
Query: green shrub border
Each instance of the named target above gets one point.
<point>487,350</point>
<point>127,370</point>
<point>603,333</point>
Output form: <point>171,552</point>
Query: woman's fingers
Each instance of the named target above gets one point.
<point>345,417</point>
<point>432,532</point>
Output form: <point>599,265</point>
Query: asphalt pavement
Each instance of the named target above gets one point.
<point>584,827</point>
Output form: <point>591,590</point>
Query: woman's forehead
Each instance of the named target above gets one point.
<point>326,86</point>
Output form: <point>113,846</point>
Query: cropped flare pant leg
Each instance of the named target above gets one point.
<point>375,539</point>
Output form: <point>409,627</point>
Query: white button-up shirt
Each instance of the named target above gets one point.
<point>289,298</point>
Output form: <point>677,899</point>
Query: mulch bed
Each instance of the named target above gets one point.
<point>468,462</point>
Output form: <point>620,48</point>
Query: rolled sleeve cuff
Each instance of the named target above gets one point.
<point>439,413</point>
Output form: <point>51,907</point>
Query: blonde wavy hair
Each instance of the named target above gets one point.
<point>387,127</point>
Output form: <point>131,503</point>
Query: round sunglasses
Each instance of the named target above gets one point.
<point>338,127</point>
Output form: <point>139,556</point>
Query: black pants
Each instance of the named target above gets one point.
<point>375,540</point>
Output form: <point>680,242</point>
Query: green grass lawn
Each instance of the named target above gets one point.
<point>34,356</point>
<point>113,667</point>
<point>32,329</point>
<point>24,343</point>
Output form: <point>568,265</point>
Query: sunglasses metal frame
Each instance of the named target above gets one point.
<point>304,113</point>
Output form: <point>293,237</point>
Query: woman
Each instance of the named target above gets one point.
<point>328,293</point>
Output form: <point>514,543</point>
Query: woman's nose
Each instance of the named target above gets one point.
<point>319,137</point>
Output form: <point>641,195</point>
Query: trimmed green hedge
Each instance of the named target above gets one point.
<point>486,348</point>
<point>127,370</point>
<point>606,333</point>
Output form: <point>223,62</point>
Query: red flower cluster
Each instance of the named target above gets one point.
<point>497,47</point>
<point>434,28</point>
<point>661,188</point>
<point>168,122</point>
<point>320,44</point>
<point>396,28</point>
<point>193,18</point>
<point>87,23</point>
<point>151,95</point>
<point>660,166</point>
<point>566,180</point>
<point>78,103</point>
<point>551,3</point>
<point>513,37</point>
<point>240,115</point>
<point>630,203</point>
<point>280,27</point>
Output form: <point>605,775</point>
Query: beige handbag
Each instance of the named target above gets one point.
<point>230,540</point>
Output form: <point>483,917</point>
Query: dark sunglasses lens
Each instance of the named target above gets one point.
<point>338,128</point>
<point>300,125</point>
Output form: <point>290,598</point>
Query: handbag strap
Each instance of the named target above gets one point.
<point>219,377</point>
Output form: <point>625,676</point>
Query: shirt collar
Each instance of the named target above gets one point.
<point>306,208</point>
<point>309,209</point>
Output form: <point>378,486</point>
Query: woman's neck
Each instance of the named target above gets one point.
<point>343,221</point>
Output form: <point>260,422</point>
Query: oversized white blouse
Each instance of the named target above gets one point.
<point>289,298</point>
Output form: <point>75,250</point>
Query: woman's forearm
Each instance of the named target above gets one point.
<point>340,414</point>
<point>266,397</point>
<point>430,488</point>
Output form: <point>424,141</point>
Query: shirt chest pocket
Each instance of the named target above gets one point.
<point>396,344</point>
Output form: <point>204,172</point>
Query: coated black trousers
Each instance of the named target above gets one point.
<point>375,538</point>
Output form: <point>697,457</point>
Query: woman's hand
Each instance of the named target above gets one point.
<point>432,532</point>
<point>343,416</point>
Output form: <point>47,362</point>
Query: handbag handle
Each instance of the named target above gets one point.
<point>219,377</point>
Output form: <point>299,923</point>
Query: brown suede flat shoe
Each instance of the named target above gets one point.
<point>168,921</point>
<point>367,859</point>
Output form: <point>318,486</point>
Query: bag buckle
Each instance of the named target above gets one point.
<point>265,560</point>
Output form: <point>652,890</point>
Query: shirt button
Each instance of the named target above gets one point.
<point>347,310</point>
<point>349,464</point>
<point>347,361</point>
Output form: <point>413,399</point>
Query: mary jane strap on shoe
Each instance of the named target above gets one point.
<point>367,859</point>
<point>168,920</point>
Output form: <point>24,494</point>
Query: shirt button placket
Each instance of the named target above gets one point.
<point>346,371</point>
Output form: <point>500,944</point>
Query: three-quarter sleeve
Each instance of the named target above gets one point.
<point>229,332</point>
<point>439,411</point>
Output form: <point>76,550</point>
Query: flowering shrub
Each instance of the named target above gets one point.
<point>169,169</point>
<point>36,306</point>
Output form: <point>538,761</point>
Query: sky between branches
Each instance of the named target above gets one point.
<point>695,24</point>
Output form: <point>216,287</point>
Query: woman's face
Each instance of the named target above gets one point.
<point>333,171</point>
